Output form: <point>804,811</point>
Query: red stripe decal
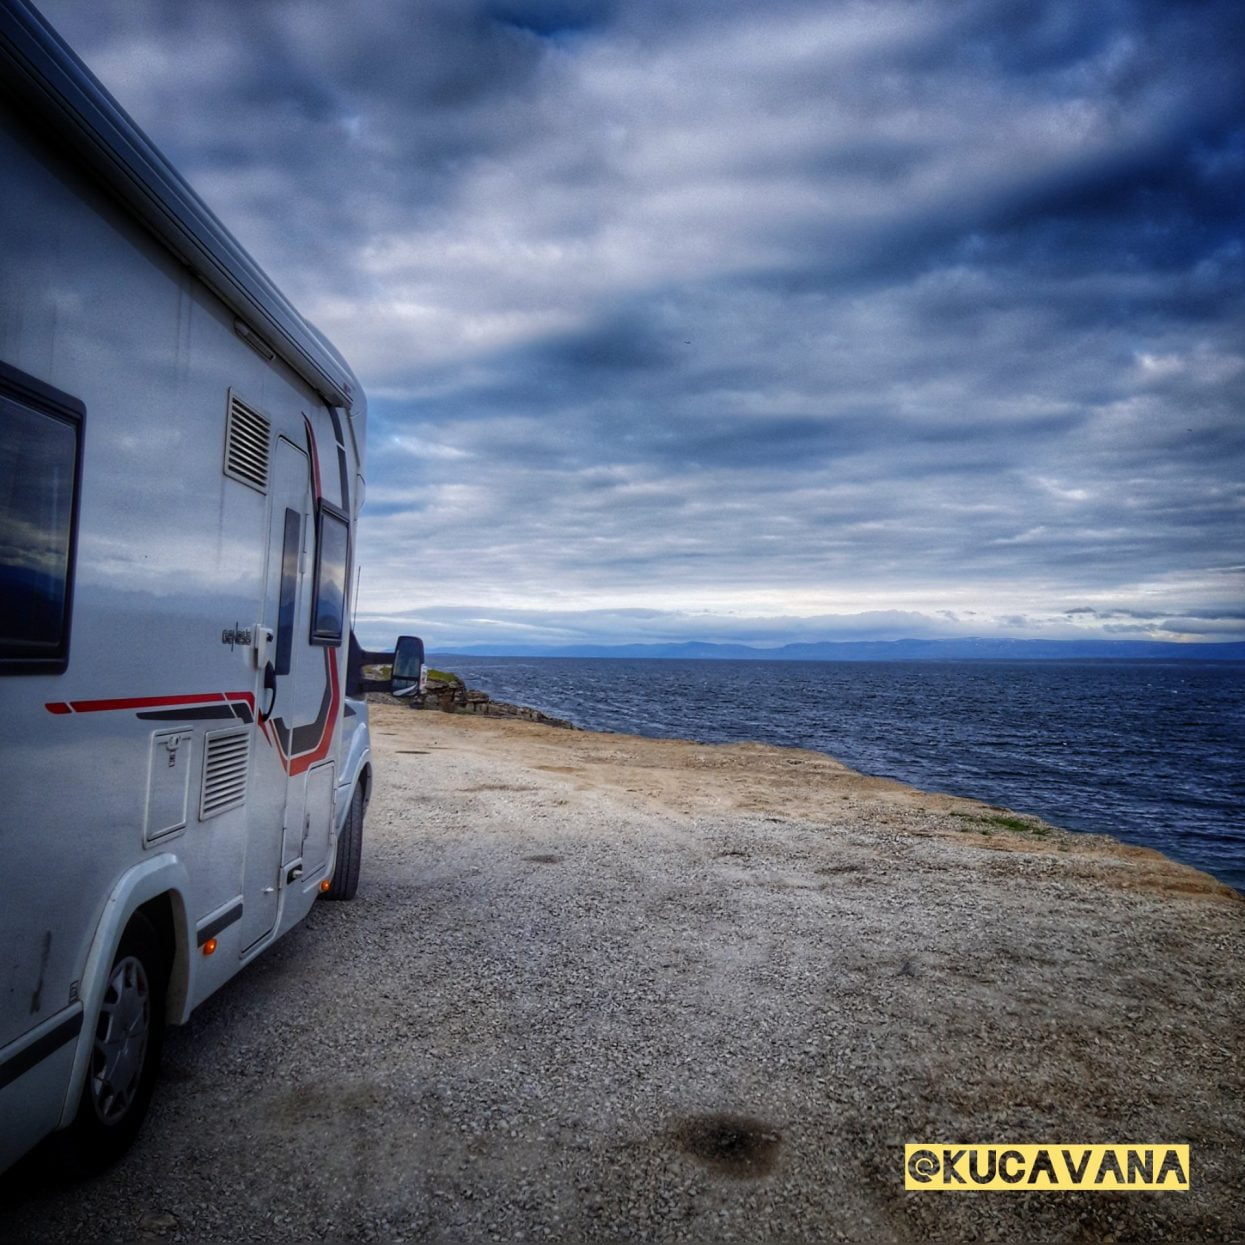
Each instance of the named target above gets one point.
<point>301,761</point>
<point>147,702</point>
<point>306,760</point>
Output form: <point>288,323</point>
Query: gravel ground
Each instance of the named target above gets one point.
<point>602,988</point>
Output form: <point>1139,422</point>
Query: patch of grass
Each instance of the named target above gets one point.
<point>1018,824</point>
<point>1002,821</point>
<point>443,675</point>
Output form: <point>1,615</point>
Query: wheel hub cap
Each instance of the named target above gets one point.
<point>121,1040</point>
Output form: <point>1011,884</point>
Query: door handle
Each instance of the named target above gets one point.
<point>270,686</point>
<point>261,639</point>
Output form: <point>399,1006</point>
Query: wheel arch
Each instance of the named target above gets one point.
<point>168,917</point>
<point>156,888</point>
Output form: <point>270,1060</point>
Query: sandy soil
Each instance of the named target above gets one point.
<point>600,987</point>
<point>793,785</point>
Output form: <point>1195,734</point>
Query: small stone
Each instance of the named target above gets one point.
<point>158,1222</point>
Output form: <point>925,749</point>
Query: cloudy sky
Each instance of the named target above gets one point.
<point>748,321</point>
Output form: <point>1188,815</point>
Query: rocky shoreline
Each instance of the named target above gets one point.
<point>449,694</point>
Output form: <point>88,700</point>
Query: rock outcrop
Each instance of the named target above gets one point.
<point>450,694</point>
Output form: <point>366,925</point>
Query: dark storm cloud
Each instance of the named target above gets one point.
<point>552,19</point>
<point>782,311</point>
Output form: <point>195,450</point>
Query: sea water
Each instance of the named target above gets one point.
<point>1150,752</point>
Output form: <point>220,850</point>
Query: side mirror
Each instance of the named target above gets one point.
<point>408,665</point>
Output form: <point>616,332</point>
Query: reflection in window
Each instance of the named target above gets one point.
<point>288,603</point>
<point>332,554</point>
<point>38,471</point>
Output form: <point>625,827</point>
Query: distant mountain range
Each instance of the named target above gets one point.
<point>968,649</point>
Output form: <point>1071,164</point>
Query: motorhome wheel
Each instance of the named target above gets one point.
<point>125,1053</point>
<point>349,851</point>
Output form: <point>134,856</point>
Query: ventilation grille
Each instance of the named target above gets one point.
<point>226,759</point>
<point>246,445</point>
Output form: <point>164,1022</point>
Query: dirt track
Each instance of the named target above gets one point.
<point>596,987</point>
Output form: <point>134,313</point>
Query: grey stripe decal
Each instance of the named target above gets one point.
<point>198,714</point>
<point>37,1052</point>
<point>224,921</point>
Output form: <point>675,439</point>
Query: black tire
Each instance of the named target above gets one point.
<point>349,851</point>
<point>125,1053</point>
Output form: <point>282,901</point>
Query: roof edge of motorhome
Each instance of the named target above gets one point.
<point>59,92</point>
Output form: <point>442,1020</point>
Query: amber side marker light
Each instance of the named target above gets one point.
<point>324,886</point>
<point>209,947</point>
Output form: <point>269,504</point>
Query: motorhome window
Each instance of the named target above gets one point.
<point>40,434</point>
<point>332,554</point>
<point>288,601</point>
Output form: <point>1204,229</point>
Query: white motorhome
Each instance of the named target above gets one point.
<point>184,771</point>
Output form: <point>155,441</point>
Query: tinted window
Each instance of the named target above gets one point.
<point>289,590</point>
<point>39,448</point>
<point>332,555</point>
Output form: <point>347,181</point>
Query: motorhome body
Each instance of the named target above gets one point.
<point>181,468</point>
